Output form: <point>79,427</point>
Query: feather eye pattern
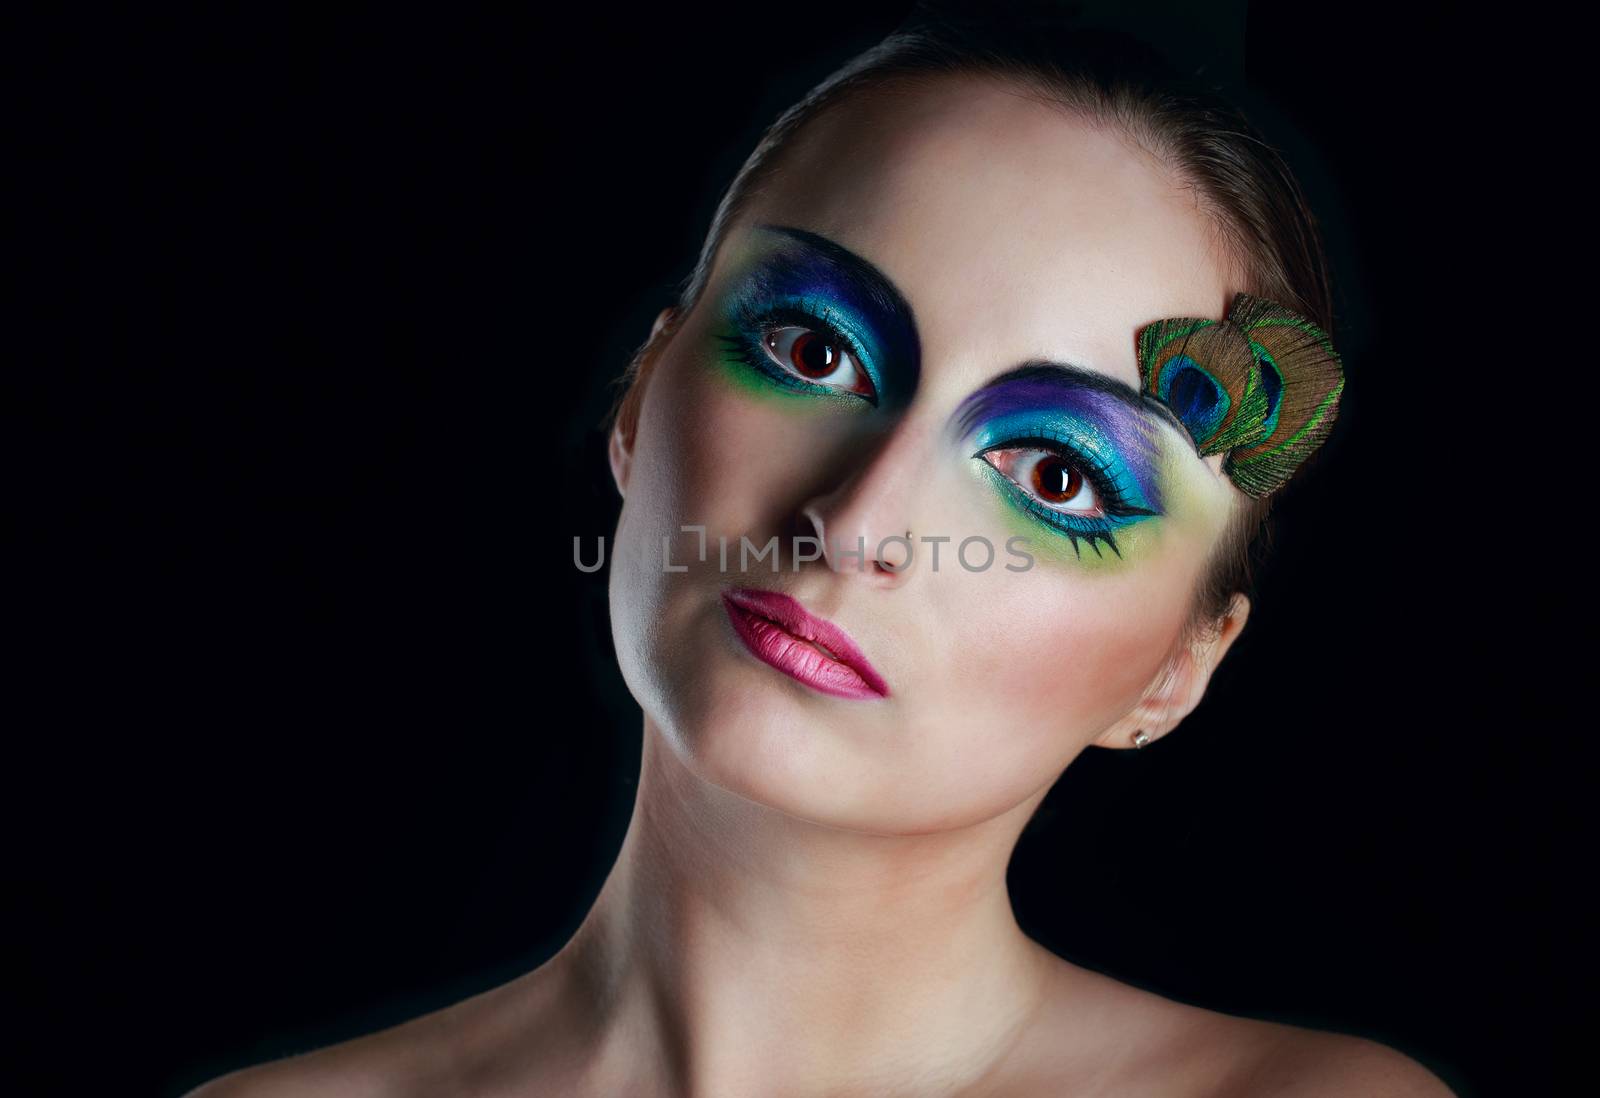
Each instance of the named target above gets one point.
<point>1262,386</point>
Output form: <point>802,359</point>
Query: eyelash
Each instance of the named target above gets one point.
<point>1102,478</point>
<point>753,324</point>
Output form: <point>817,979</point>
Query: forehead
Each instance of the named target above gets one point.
<point>1013,228</point>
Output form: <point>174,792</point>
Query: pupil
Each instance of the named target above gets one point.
<point>812,356</point>
<point>1056,480</point>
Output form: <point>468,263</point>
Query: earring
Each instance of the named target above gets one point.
<point>1140,738</point>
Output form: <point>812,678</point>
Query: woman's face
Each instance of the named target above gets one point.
<point>925,324</point>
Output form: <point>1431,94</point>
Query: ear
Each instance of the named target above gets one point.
<point>1180,684</point>
<point>621,455</point>
<point>620,447</point>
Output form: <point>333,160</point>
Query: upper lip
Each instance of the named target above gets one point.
<point>793,618</point>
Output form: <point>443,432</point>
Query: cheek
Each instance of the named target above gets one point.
<point>1020,675</point>
<point>1064,660</point>
<point>1067,647</point>
<point>696,459</point>
<point>1053,656</point>
<point>718,454</point>
<point>699,459</point>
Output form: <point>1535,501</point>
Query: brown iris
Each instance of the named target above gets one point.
<point>1055,480</point>
<point>810,355</point>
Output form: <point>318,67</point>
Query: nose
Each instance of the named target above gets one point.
<point>862,517</point>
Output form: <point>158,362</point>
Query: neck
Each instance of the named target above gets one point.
<point>735,946</point>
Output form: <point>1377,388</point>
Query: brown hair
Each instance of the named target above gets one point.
<point>1112,79</point>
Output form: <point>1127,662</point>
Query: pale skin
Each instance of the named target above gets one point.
<point>811,897</point>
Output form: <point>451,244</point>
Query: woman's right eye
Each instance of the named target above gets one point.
<point>817,357</point>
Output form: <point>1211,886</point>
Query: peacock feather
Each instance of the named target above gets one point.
<point>1261,386</point>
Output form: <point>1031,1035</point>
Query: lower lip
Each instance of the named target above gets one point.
<point>796,658</point>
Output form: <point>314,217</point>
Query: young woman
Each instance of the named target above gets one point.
<point>942,469</point>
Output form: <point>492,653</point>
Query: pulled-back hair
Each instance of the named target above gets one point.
<point>1109,79</point>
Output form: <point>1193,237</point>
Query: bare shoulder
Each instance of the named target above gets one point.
<point>440,1053</point>
<point>1254,1058</point>
<point>1106,1036</point>
<point>373,1066</point>
<point>310,1074</point>
<point>1303,1063</point>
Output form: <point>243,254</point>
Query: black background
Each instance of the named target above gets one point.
<point>330,733</point>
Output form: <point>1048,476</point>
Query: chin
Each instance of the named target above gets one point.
<point>748,728</point>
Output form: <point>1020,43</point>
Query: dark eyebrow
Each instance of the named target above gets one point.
<point>879,292</point>
<point>1066,376</point>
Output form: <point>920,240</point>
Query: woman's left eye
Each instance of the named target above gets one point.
<point>817,357</point>
<point>1053,479</point>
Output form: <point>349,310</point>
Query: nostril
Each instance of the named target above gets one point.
<point>893,554</point>
<point>807,525</point>
<point>811,522</point>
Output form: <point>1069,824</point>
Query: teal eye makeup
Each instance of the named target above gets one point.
<point>1073,449</point>
<point>809,318</point>
<point>799,345</point>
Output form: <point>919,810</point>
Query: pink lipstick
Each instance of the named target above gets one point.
<point>778,631</point>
